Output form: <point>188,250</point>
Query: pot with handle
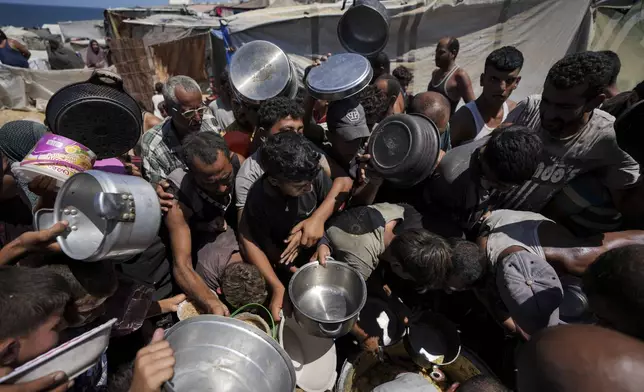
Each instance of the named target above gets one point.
<point>327,300</point>
<point>364,28</point>
<point>97,113</point>
<point>110,216</point>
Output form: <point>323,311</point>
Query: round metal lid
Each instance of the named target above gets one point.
<point>259,70</point>
<point>75,204</point>
<point>341,76</point>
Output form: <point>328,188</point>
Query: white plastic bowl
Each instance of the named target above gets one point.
<point>73,357</point>
<point>314,358</point>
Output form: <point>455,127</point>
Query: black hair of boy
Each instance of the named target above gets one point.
<point>291,157</point>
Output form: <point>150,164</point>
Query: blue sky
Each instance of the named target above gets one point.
<point>90,3</point>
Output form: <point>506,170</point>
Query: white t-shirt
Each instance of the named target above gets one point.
<point>156,100</point>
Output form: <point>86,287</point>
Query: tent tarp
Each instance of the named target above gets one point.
<point>544,30</point>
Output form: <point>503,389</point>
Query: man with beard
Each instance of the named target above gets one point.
<point>449,79</point>
<point>200,217</point>
<point>480,117</point>
<point>578,138</point>
<point>161,145</point>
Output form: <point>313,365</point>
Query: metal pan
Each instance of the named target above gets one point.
<point>340,77</point>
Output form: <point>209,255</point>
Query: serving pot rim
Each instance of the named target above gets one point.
<point>243,325</point>
<point>329,263</point>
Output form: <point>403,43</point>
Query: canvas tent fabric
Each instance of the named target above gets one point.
<point>543,30</point>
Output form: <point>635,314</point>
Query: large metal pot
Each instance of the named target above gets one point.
<point>432,340</point>
<point>364,28</point>
<point>97,113</point>
<point>260,70</point>
<point>327,300</point>
<point>340,77</point>
<point>110,215</point>
<point>215,353</point>
<point>404,149</point>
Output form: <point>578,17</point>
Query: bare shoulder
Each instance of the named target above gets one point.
<point>461,126</point>
<point>461,75</point>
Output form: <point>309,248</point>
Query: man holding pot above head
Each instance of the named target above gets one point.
<point>292,189</point>
<point>449,79</point>
<point>199,223</point>
<point>500,78</point>
<point>160,146</point>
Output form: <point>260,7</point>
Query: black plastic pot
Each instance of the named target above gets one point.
<point>404,149</point>
<point>97,113</point>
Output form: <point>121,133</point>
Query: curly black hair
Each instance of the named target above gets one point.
<point>507,59</point>
<point>290,156</point>
<point>275,109</point>
<point>403,74</point>
<point>466,261</point>
<point>513,153</point>
<point>424,255</point>
<point>205,146</point>
<point>375,103</point>
<point>581,68</point>
<point>614,63</point>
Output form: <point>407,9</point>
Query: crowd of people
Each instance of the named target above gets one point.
<point>527,197</point>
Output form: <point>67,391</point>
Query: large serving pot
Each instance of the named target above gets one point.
<point>327,300</point>
<point>364,28</point>
<point>260,70</point>
<point>404,149</point>
<point>431,337</point>
<point>215,353</point>
<point>97,113</point>
<point>110,215</point>
<point>340,77</point>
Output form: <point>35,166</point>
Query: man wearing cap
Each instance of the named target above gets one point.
<point>348,131</point>
<point>526,252</point>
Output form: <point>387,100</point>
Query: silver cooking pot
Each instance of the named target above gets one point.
<point>110,216</point>
<point>215,353</point>
<point>341,76</point>
<point>364,28</point>
<point>327,300</point>
<point>260,70</point>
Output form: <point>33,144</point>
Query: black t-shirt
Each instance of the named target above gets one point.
<point>455,185</point>
<point>271,215</point>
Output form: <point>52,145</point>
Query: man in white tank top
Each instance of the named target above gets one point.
<point>480,117</point>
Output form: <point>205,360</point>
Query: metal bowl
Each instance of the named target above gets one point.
<point>215,353</point>
<point>340,77</point>
<point>364,28</point>
<point>260,70</point>
<point>327,300</point>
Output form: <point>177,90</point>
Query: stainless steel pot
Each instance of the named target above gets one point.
<point>215,353</point>
<point>260,70</point>
<point>327,300</point>
<point>364,28</point>
<point>110,215</point>
<point>340,77</point>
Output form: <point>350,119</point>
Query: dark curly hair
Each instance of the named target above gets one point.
<point>513,153</point>
<point>275,109</point>
<point>290,156</point>
<point>581,68</point>
<point>242,284</point>
<point>614,63</point>
<point>466,261</point>
<point>403,74</point>
<point>507,58</point>
<point>423,255</point>
<point>205,146</point>
<point>375,104</point>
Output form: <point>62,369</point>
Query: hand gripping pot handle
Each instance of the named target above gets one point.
<point>107,78</point>
<point>330,332</point>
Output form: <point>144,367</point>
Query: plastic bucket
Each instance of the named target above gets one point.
<point>55,156</point>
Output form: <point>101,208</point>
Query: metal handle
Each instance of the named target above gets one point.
<point>115,206</point>
<point>331,332</point>
<point>107,78</point>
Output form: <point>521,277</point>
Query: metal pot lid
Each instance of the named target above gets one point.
<point>91,213</point>
<point>341,76</point>
<point>259,70</point>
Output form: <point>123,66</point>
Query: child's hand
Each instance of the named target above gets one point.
<point>171,304</point>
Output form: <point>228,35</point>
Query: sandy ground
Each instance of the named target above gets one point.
<point>12,115</point>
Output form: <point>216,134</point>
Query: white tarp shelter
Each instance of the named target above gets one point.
<point>544,30</point>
